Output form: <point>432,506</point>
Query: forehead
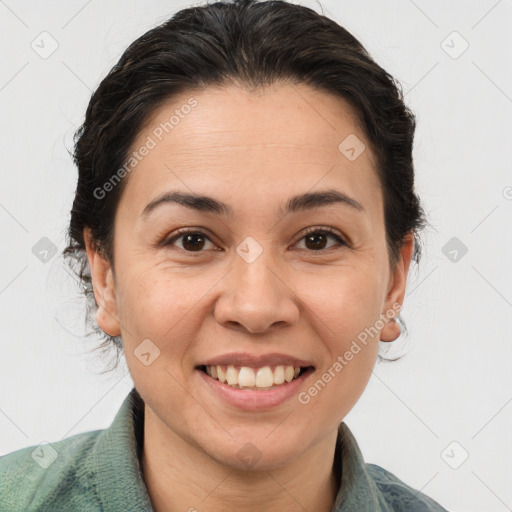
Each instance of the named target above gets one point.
<point>265,143</point>
<point>278,114</point>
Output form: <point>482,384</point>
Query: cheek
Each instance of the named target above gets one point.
<point>160,306</point>
<point>346,302</point>
<point>344,314</point>
<point>338,385</point>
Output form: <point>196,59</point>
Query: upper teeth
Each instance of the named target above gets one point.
<point>247,377</point>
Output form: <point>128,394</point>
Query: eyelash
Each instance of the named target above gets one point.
<point>326,231</point>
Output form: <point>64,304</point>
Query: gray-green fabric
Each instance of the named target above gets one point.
<point>100,471</point>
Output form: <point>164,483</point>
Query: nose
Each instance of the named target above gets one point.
<point>256,297</point>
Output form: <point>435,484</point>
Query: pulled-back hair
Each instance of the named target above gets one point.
<point>253,44</point>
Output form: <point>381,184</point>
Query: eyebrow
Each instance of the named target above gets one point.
<point>301,202</point>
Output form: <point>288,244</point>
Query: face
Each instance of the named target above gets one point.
<point>251,277</point>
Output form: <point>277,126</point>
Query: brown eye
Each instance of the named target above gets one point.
<point>192,241</point>
<point>316,239</point>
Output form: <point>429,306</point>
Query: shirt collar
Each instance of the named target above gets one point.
<point>357,490</point>
<point>117,453</point>
<point>120,482</point>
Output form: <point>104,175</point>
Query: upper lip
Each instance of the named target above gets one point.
<point>245,359</point>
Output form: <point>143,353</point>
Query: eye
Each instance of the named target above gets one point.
<point>192,241</point>
<point>315,238</point>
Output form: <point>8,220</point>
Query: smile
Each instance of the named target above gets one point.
<point>252,378</point>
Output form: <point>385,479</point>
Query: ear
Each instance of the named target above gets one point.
<point>104,289</point>
<point>396,291</point>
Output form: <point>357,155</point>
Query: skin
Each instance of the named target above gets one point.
<point>252,150</point>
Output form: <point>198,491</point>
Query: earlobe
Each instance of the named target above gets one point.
<point>104,289</point>
<point>396,292</point>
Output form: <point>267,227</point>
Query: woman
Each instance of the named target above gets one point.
<point>245,219</point>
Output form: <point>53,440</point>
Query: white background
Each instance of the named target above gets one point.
<point>455,383</point>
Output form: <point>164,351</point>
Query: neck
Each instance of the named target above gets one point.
<point>181,477</point>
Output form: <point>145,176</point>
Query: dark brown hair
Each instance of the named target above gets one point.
<point>252,44</point>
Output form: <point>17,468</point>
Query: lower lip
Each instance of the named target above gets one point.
<point>251,400</point>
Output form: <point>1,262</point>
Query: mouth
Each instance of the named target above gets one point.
<point>262,378</point>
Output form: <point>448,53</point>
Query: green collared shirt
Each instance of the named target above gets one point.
<point>101,471</point>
